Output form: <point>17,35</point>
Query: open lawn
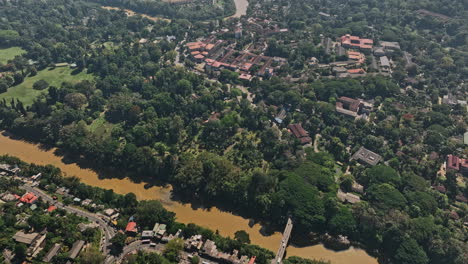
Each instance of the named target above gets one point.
<point>10,53</point>
<point>55,77</point>
<point>101,127</point>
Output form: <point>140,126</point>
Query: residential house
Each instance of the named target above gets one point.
<point>366,156</point>
<point>86,202</point>
<point>131,228</point>
<point>347,197</point>
<point>161,231</point>
<point>356,187</point>
<point>457,164</point>
<point>300,133</point>
<point>194,243</point>
<point>9,197</point>
<point>52,252</point>
<point>29,198</point>
<point>37,245</point>
<point>348,106</point>
<point>76,249</point>
<point>379,51</point>
<point>83,226</point>
<point>384,64</point>
<point>450,99</point>
<point>147,234</point>
<point>390,45</point>
<point>356,56</point>
<point>25,238</point>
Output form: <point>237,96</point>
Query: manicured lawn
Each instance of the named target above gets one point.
<point>55,77</point>
<point>10,53</point>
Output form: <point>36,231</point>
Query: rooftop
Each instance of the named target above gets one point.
<point>28,198</point>
<point>366,156</point>
<point>300,133</point>
<point>76,248</point>
<point>52,252</point>
<point>25,238</point>
<point>131,227</point>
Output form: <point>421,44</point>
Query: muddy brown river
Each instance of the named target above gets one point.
<point>213,218</point>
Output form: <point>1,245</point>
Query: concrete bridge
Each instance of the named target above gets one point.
<point>284,243</point>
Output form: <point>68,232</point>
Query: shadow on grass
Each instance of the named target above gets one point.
<point>76,71</point>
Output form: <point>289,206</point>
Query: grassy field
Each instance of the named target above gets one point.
<point>101,127</point>
<point>55,77</point>
<point>10,53</point>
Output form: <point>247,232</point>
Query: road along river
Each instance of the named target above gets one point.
<point>226,223</point>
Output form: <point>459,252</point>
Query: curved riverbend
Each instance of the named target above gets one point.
<point>241,8</point>
<point>213,218</point>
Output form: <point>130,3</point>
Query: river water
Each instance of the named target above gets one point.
<point>241,8</point>
<point>213,218</point>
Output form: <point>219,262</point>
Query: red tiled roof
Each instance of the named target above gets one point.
<point>51,208</point>
<point>131,227</point>
<point>354,41</point>
<point>28,198</point>
<point>252,260</point>
<point>356,71</point>
<point>453,162</point>
<point>440,188</point>
<point>348,103</point>
<point>300,133</point>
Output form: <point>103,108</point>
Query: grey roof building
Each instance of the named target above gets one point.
<point>76,249</point>
<point>52,252</point>
<point>366,156</point>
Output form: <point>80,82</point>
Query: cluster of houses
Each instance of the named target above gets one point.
<point>217,54</point>
<point>194,244</point>
<point>36,241</point>
<point>353,50</point>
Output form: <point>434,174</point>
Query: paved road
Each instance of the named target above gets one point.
<point>284,243</point>
<point>108,231</point>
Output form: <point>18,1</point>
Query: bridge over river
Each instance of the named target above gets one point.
<point>284,243</point>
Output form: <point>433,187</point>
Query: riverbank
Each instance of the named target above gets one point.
<point>226,223</point>
<point>133,13</point>
<point>241,8</point>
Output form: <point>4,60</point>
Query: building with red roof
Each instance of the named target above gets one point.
<point>51,208</point>
<point>300,133</point>
<point>356,71</point>
<point>29,198</point>
<point>349,41</point>
<point>457,164</point>
<point>356,56</point>
<point>252,260</point>
<point>131,228</point>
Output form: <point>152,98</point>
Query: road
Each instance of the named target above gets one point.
<point>108,231</point>
<point>284,243</point>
